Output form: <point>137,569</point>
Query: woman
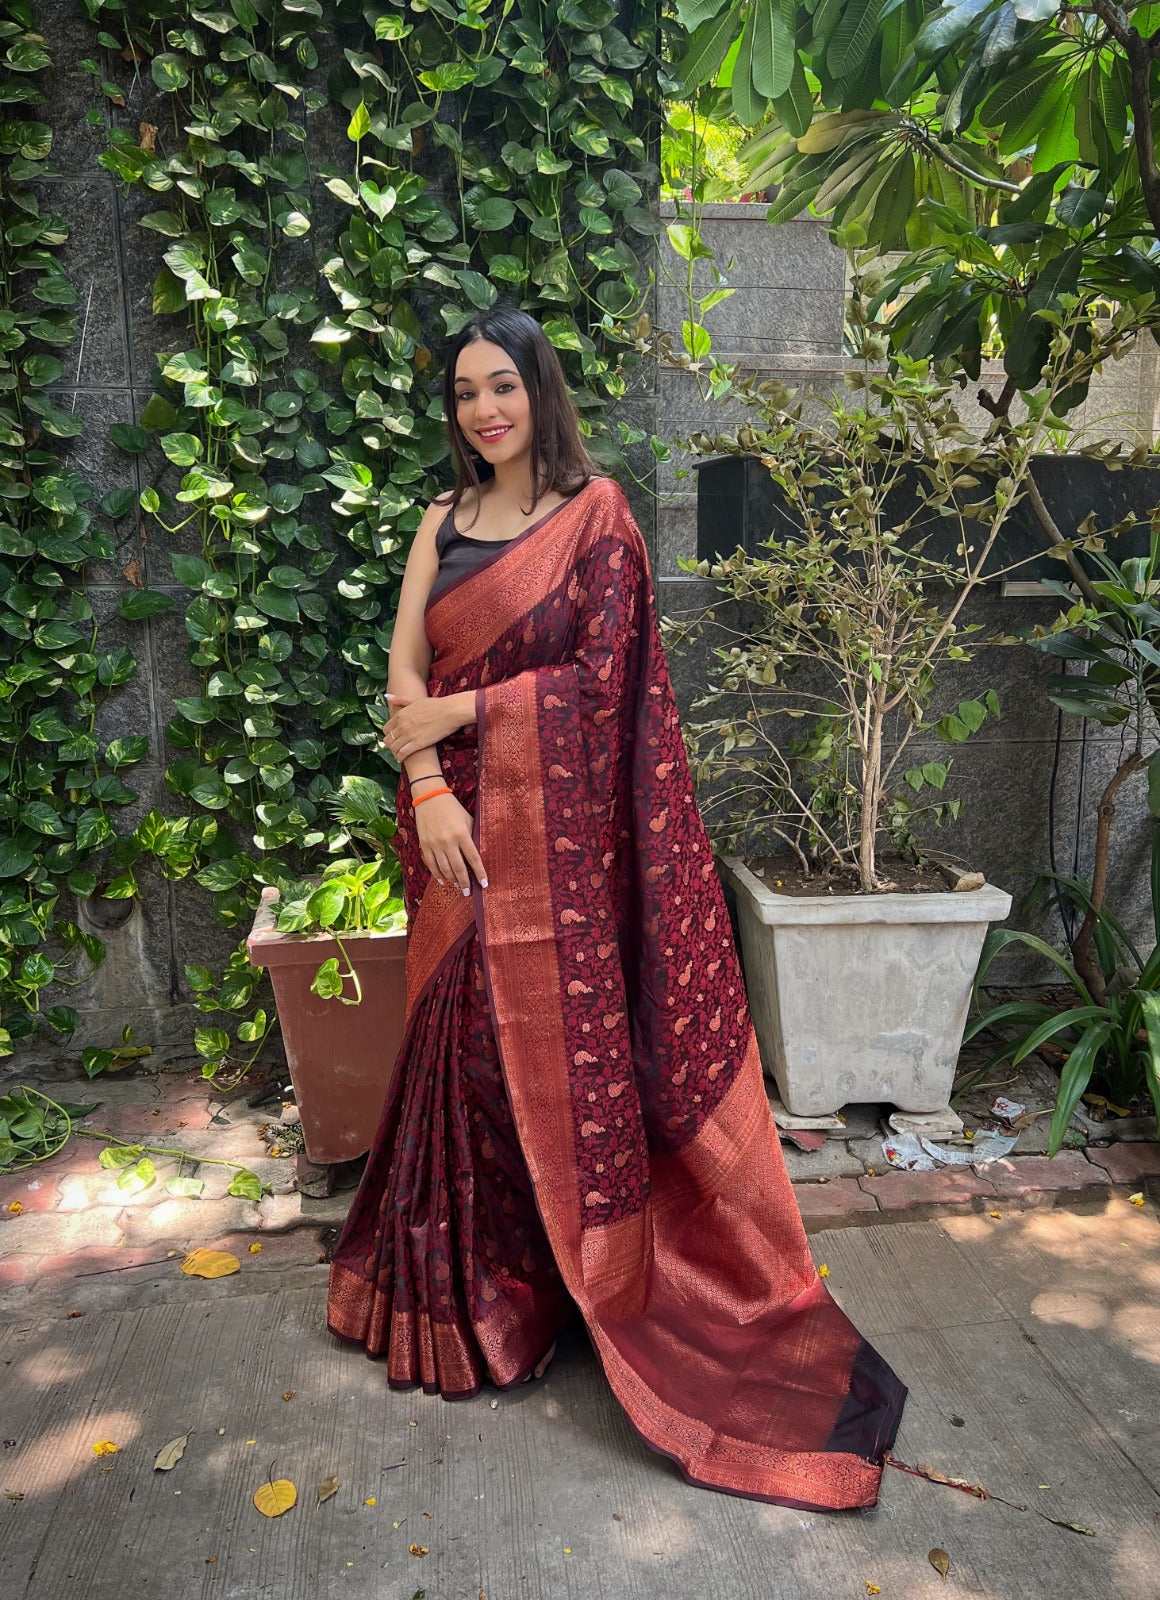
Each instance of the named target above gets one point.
<point>578,1114</point>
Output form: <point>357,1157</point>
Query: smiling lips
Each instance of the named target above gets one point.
<point>490,435</point>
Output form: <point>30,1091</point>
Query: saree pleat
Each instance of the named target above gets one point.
<point>578,1112</point>
<point>443,1265</point>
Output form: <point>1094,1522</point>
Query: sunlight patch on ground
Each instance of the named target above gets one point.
<point>65,1451</point>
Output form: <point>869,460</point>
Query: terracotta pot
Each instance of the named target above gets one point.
<point>341,1057</point>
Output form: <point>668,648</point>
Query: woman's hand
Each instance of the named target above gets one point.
<point>444,829</point>
<point>420,724</point>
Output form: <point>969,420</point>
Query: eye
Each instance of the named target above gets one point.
<point>462,394</point>
<point>504,388</point>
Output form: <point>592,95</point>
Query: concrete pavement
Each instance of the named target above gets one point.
<point>1027,1326</point>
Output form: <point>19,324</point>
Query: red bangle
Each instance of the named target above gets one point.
<point>432,794</point>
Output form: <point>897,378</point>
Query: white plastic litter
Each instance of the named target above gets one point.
<point>1007,1110</point>
<point>980,1152</point>
<point>912,1154</point>
<point>904,1150</point>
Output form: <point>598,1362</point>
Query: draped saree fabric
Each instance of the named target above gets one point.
<point>578,1113</point>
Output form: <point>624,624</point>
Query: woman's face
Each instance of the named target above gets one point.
<point>492,406</point>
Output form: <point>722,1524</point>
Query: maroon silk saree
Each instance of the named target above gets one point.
<point>577,1114</point>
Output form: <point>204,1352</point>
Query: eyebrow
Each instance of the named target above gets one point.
<point>500,372</point>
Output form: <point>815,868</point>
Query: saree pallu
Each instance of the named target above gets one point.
<point>578,1113</point>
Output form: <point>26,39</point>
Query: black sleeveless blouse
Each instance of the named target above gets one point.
<point>460,554</point>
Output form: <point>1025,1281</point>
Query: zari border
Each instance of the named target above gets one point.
<point>519,946</point>
<point>445,916</point>
<point>467,620</point>
<point>520,963</point>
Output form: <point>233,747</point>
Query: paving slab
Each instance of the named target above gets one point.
<point>1031,1345</point>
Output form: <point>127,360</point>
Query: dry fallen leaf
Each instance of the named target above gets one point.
<point>994,1213</point>
<point>210,1264</point>
<point>276,1496</point>
<point>14,1494</point>
<point>290,1393</point>
<point>1135,1199</point>
<point>1072,1527</point>
<point>105,1447</point>
<point>76,1313</point>
<point>147,137</point>
<point>15,1207</point>
<point>823,1271</point>
<point>418,1549</point>
<point>371,1501</point>
<point>941,1563</point>
<point>327,1489</point>
<point>255,1249</point>
<point>171,1454</point>
<point>872,1588</point>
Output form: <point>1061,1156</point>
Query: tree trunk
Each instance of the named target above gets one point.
<point>871,797</point>
<point>1083,956</point>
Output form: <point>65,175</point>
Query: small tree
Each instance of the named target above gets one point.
<point>850,623</point>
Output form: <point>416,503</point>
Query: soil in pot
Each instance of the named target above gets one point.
<point>785,876</point>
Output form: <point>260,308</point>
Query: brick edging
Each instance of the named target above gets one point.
<point>1013,1183</point>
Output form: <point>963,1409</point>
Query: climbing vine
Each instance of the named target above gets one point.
<point>310,264</point>
<point>61,786</point>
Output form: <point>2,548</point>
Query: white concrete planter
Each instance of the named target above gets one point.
<point>861,997</point>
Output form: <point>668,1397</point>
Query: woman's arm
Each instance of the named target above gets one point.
<point>410,656</point>
<point>418,723</point>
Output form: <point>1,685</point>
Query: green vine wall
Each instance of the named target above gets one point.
<point>334,190</point>
<point>61,788</point>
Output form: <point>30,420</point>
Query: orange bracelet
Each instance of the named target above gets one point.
<point>432,794</point>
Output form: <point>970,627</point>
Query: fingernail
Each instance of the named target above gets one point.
<point>483,883</point>
<point>467,894</point>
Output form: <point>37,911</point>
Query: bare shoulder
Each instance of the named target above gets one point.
<point>433,518</point>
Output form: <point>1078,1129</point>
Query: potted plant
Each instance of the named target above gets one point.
<point>823,678</point>
<point>336,951</point>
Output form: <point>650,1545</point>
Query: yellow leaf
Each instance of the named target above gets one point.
<point>105,1447</point>
<point>823,1271</point>
<point>1136,1199</point>
<point>941,1563</point>
<point>169,1455</point>
<point>418,1549</point>
<point>210,1264</point>
<point>994,1213</point>
<point>872,1588</point>
<point>254,1249</point>
<point>275,1497</point>
<point>290,1393</point>
<point>15,1207</point>
<point>372,1501</point>
<point>327,1489</point>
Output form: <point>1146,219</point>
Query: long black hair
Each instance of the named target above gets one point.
<point>560,462</point>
